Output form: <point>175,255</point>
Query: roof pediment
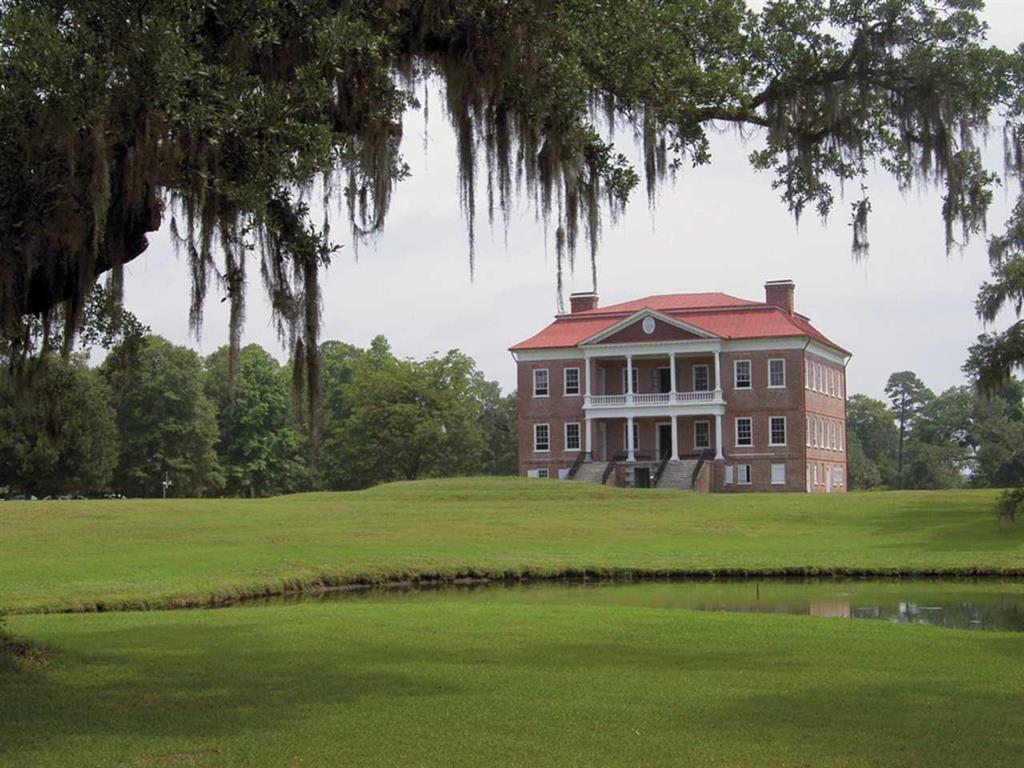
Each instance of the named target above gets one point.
<point>647,325</point>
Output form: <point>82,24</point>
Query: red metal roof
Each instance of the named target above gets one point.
<point>722,315</point>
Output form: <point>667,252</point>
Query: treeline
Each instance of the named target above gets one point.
<point>155,413</point>
<point>922,440</point>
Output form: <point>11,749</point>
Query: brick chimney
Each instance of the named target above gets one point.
<point>779,293</point>
<point>581,302</point>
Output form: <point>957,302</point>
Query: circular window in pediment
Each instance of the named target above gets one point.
<point>648,325</point>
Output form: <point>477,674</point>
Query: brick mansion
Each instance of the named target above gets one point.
<point>691,390</point>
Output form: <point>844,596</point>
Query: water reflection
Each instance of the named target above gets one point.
<point>956,604</point>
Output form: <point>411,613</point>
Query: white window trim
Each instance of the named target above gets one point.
<point>707,376</point>
<point>785,429</point>
<point>736,432</point>
<point>772,479</point>
<point>546,474</point>
<point>777,360</point>
<point>535,428</point>
<point>730,474</point>
<point>548,373</point>
<point>735,374</point>
<point>839,437</point>
<point>706,423</point>
<point>565,382</point>
<point>579,436</point>
<point>750,474</point>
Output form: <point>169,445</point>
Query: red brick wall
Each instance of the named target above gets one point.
<point>760,403</point>
<point>556,409</point>
<point>825,393</point>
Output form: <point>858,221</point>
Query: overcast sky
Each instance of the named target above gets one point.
<point>719,228</point>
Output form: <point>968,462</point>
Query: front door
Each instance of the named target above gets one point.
<point>602,441</point>
<point>664,441</point>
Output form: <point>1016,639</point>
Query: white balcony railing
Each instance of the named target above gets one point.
<point>653,399</point>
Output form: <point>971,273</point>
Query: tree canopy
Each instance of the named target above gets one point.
<point>227,116</point>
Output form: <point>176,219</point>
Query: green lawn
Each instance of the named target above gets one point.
<point>64,555</point>
<point>508,683</point>
<point>565,676</point>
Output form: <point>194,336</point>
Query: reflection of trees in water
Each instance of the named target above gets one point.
<point>1002,613</point>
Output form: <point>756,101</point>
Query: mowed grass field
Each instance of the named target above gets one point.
<point>110,554</point>
<point>606,676</point>
<point>503,683</point>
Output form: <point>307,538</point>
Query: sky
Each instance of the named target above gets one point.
<point>720,227</point>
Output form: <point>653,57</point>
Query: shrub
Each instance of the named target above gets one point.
<point>1011,505</point>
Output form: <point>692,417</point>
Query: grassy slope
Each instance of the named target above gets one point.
<point>508,684</point>
<point>78,554</point>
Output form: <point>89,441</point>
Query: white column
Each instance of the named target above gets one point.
<point>630,448</point>
<point>672,378</point>
<point>718,371</point>
<point>718,437</point>
<point>588,425</point>
<point>629,378</point>
<point>586,376</point>
<point>675,437</point>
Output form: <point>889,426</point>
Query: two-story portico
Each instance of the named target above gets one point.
<point>683,389</point>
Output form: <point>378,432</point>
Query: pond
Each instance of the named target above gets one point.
<point>982,604</point>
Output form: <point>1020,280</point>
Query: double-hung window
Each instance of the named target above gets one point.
<point>572,436</point>
<point>744,431</point>
<point>741,374</point>
<point>744,474</point>
<point>702,434</point>
<point>541,438</point>
<point>572,381</point>
<point>778,474</point>
<point>776,374</point>
<point>777,430</point>
<point>701,380</point>
<point>541,386</point>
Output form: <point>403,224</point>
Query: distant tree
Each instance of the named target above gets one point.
<point>907,394</point>
<point>260,449</point>
<point>997,434</point>
<point>873,437</point>
<point>405,419</point>
<point>498,419</point>
<point>59,436</point>
<point>167,424</point>
<point>863,471</point>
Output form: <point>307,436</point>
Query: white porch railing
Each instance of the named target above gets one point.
<point>652,398</point>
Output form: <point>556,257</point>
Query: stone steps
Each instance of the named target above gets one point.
<point>678,475</point>
<point>591,472</point>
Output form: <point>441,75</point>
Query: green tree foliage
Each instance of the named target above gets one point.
<point>116,114</point>
<point>499,422</point>
<point>392,419</point>
<point>957,437</point>
<point>260,449</point>
<point>166,423</point>
<point>907,395</point>
<point>873,443</point>
<point>60,435</point>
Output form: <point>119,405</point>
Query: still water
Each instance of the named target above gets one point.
<point>955,604</point>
